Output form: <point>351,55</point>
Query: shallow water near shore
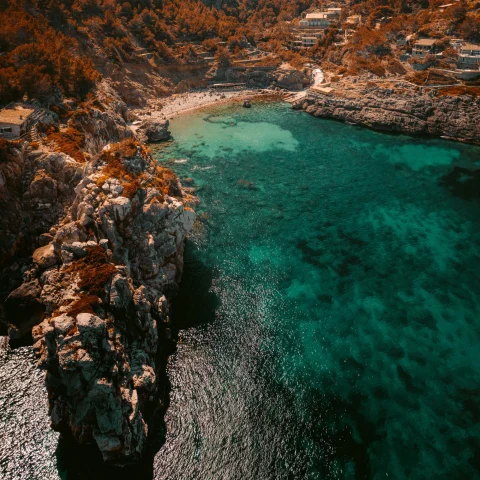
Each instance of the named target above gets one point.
<point>339,337</point>
<point>329,314</point>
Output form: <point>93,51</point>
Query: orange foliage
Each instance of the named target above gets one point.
<point>37,58</point>
<point>460,90</point>
<point>163,178</point>
<point>94,271</point>
<point>70,142</point>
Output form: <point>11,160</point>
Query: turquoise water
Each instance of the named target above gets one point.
<point>328,316</point>
<point>330,309</point>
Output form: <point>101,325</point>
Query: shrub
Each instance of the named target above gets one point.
<point>84,304</point>
<point>93,270</point>
<point>71,142</point>
<point>224,58</point>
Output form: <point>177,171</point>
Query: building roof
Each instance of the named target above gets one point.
<point>470,46</point>
<point>426,42</point>
<point>317,16</point>
<point>15,115</point>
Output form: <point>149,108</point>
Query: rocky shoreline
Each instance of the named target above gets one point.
<point>110,234</point>
<point>93,250</point>
<point>398,110</point>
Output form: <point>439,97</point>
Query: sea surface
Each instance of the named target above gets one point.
<point>329,315</point>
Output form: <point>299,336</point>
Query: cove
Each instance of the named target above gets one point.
<point>328,318</point>
<point>330,306</point>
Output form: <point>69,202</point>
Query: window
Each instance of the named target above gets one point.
<point>6,130</point>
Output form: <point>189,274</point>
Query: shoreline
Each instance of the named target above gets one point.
<point>453,118</point>
<point>168,108</point>
<point>341,110</point>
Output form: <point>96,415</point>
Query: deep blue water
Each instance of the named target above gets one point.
<point>330,302</point>
<point>328,316</point>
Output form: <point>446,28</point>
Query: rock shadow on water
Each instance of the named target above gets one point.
<point>76,462</point>
<point>195,304</point>
<point>342,434</point>
<point>463,183</point>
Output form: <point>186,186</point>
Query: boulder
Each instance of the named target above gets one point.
<point>290,79</point>
<point>258,79</point>
<point>155,130</point>
<point>88,323</point>
<point>24,309</point>
<point>44,257</point>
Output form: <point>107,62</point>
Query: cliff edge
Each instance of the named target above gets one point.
<point>401,110</point>
<point>94,294</point>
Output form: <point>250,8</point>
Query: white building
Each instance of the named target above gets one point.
<point>14,121</point>
<point>354,19</point>
<point>423,47</point>
<point>318,19</point>
<point>307,39</point>
<point>469,56</point>
<point>335,11</point>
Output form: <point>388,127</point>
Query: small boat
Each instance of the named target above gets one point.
<point>247,104</point>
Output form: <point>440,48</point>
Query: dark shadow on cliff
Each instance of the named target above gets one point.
<point>10,279</point>
<point>193,305</point>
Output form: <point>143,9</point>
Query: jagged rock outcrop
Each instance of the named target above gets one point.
<point>36,193</point>
<point>99,290</point>
<point>154,130</point>
<point>37,185</point>
<point>96,248</point>
<point>258,79</point>
<point>290,79</point>
<point>408,111</point>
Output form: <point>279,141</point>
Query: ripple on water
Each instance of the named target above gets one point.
<point>328,312</point>
<point>343,343</point>
<point>27,444</point>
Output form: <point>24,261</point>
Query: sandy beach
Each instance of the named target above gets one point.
<point>169,107</point>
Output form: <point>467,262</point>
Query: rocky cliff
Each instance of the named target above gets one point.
<point>406,111</point>
<point>95,291</point>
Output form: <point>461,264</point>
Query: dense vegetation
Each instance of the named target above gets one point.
<point>66,43</point>
<point>35,57</point>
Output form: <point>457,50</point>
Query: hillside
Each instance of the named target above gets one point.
<point>68,44</point>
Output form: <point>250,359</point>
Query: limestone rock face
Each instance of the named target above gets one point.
<point>154,130</point>
<point>34,196</point>
<point>290,79</point>
<point>97,298</point>
<point>258,79</point>
<point>410,112</point>
<point>44,257</point>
